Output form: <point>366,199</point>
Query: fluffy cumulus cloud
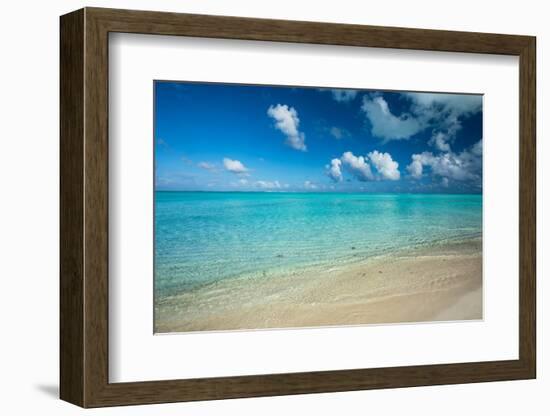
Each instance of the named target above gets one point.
<point>440,141</point>
<point>387,125</point>
<point>344,95</point>
<point>442,113</point>
<point>334,170</point>
<point>287,121</point>
<point>385,165</point>
<point>463,166</point>
<point>358,166</point>
<point>416,168</point>
<point>361,167</point>
<point>234,166</point>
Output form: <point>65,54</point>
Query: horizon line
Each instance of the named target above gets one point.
<point>316,192</point>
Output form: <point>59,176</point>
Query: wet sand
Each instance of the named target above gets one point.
<point>440,283</point>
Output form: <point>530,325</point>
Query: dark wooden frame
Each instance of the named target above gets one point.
<point>84,207</point>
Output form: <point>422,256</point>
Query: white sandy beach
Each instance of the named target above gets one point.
<point>440,283</point>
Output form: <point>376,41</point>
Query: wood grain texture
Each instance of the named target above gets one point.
<point>162,23</point>
<point>71,208</point>
<point>527,208</point>
<point>84,207</point>
<point>96,208</point>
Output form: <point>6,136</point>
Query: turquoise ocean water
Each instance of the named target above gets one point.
<point>203,237</point>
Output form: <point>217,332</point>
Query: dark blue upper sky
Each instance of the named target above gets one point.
<point>228,137</point>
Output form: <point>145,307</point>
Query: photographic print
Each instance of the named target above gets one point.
<point>293,207</point>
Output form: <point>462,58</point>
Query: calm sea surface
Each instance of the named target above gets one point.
<point>202,237</point>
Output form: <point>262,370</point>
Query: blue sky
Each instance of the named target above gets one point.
<point>229,137</point>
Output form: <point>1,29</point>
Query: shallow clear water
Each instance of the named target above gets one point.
<point>203,237</point>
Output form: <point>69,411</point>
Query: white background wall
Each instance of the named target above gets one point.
<point>29,206</point>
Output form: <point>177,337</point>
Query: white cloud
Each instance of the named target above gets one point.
<point>334,170</point>
<point>287,121</point>
<point>444,112</point>
<point>243,181</point>
<point>385,165</point>
<point>455,103</point>
<point>234,166</point>
<point>385,124</point>
<point>440,141</point>
<point>310,185</point>
<point>358,166</point>
<point>463,166</point>
<point>207,166</point>
<point>344,95</point>
<point>268,184</point>
<point>415,168</point>
<point>477,149</point>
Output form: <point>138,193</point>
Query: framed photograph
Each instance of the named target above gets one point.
<point>260,207</point>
